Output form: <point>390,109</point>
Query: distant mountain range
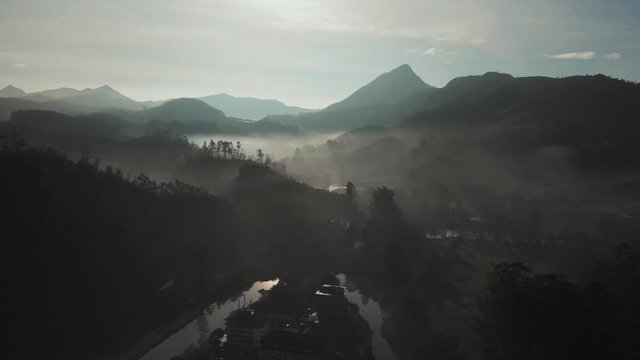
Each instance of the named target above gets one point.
<point>65,100</point>
<point>567,110</point>
<point>588,121</point>
<point>99,99</point>
<point>187,115</point>
<point>251,108</point>
<point>387,98</point>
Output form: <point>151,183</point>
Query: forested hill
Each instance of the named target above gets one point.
<point>99,257</point>
<point>88,251</point>
<point>597,116</point>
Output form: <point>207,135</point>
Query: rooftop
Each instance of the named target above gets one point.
<point>331,290</point>
<point>245,318</point>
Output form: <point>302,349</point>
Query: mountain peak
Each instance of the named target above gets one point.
<point>388,88</point>
<point>12,91</point>
<point>403,68</point>
<point>185,110</point>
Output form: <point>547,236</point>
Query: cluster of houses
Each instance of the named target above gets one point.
<point>287,325</point>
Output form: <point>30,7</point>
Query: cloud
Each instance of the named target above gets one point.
<point>430,51</point>
<point>462,40</point>
<point>613,56</point>
<point>20,65</point>
<point>433,51</point>
<point>574,55</point>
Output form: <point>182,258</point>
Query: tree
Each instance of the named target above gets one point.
<point>351,191</point>
<point>544,316</point>
<point>219,149</point>
<point>383,202</point>
<point>260,155</point>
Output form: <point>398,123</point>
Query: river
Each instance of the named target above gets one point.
<point>370,310</point>
<point>199,329</point>
<point>213,317</point>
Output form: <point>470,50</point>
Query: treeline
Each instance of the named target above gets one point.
<point>521,315</point>
<point>88,253</point>
<point>227,150</point>
<point>95,255</point>
<point>407,275</point>
<point>546,316</point>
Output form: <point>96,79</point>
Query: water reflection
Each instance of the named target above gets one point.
<point>197,331</point>
<point>370,310</point>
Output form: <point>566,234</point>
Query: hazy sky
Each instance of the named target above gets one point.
<point>305,52</point>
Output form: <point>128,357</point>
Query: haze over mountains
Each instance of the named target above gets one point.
<point>251,108</point>
<point>511,163</point>
<point>383,101</point>
<point>105,97</point>
<point>491,112</point>
<point>388,88</point>
<point>460,180</point>
<point>397,97</point>
<point>12,91</point>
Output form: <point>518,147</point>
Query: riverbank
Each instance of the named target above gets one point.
<point>148,341</point>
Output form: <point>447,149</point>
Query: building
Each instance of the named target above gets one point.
<point>281,306</point>
<point>245,328</point>
<point>332,304</point>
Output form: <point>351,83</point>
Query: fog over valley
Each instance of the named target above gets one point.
<point>320,180</point>
<point>278,145</point>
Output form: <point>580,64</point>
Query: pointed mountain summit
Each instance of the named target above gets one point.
<point>12,91</point>
<point>388,88</point>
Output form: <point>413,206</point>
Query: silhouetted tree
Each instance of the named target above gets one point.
<point>260,156</point>
<point>351,191</point>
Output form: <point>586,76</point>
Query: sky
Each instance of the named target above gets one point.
<point>305,52</point>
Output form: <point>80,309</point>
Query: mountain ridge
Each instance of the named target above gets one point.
<point>12,91</point>
<point>387,88</point>
<point>386,99</point>
<point>249,107</point>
